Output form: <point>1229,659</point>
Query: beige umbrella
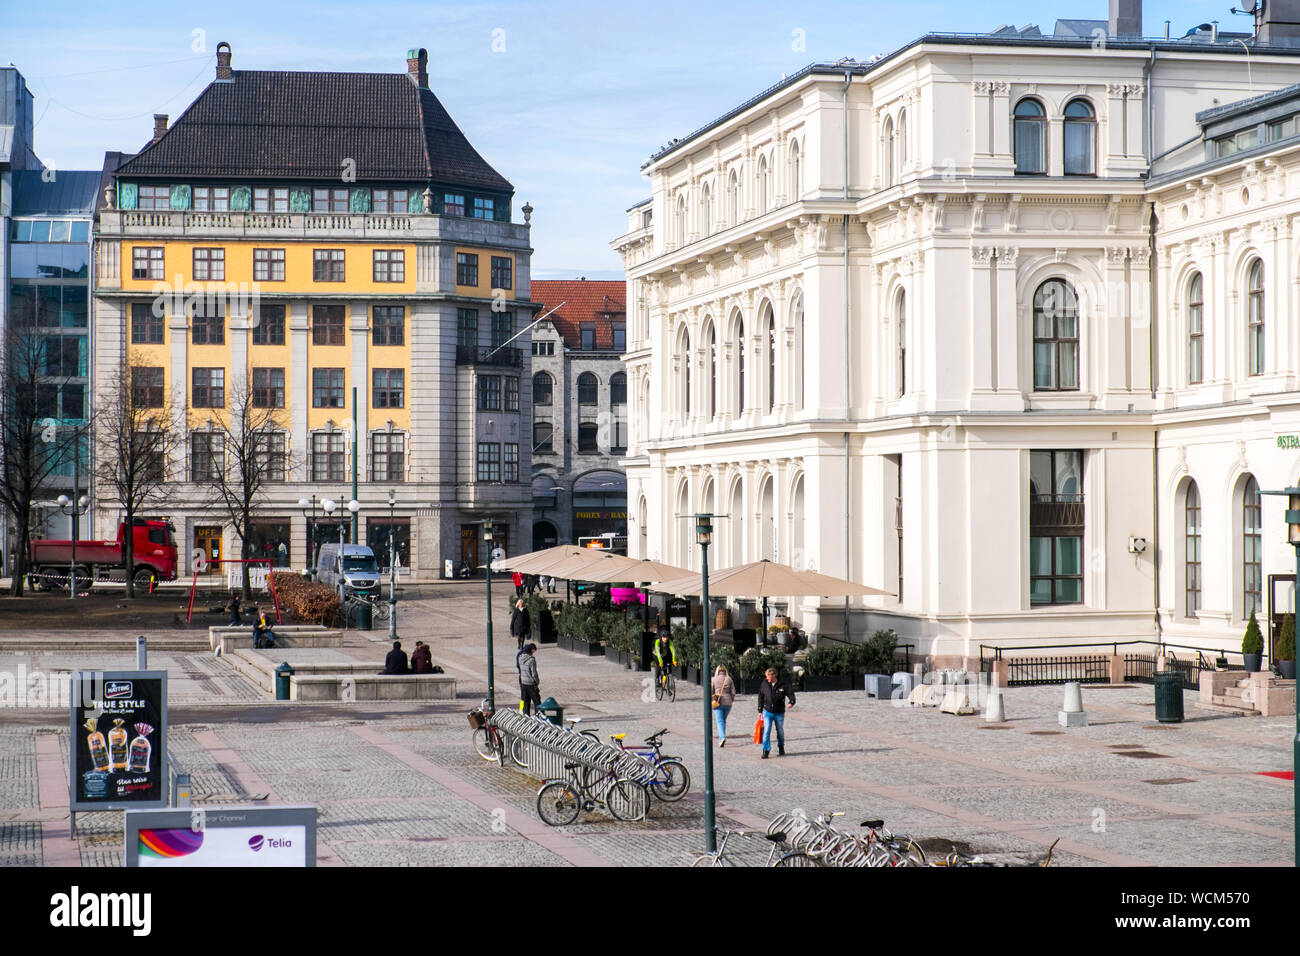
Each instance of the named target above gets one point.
<point>763,579</point>
<point>589,561</point>
<point>535,562</point>
<point>642,570</point>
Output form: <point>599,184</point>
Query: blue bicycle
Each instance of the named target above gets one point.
<point>670,779</point>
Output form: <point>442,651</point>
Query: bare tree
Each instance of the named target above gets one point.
<point>34,442</point>
<point>134,442</point>
<point>243,451</point>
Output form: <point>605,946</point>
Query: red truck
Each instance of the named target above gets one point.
<point>154,556</point>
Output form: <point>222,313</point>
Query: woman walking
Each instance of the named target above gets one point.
<point>724,695</point>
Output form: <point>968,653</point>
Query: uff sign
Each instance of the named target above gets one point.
<point>118,749</point>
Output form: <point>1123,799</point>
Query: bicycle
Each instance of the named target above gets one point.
<point>665,683</point>
<point>489,742</point>
<point>778,850</point>
<point>671,779</point>
<point>559,801</point>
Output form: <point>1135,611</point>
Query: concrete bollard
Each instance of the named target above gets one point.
<point>141,654</point>
<point>995,711</point>
<point>1072,713</point>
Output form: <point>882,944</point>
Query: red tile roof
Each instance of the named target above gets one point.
<point>603,303</point>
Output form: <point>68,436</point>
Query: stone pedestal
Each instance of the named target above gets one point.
<point>1072,713</point>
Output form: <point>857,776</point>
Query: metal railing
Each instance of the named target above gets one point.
<point>489,355</point>
<point>1094,668</point>
<point>546,748</point>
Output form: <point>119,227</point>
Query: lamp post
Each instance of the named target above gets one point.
<point>329,505</point>
<point>304,505</point>
<point>392,571</point>
<point>74,510</point>
<point>1292,517</point>
<point>487,540</point>
<point>704,535</point>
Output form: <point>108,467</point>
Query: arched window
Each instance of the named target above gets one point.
<point>711,356</point>
<point>762,184</point>
<point>681,220</point>
<point>1255,317</point>
<point>543,389</point>
<point>887,152</point>
<point>706,210</point>
<point>1251,549</point>
<point>1030,134</point>
<point>1056,337</point>
<point>771,361</point>
<point>588,389</point>
<point>800,344</point>
<point>740,366</point>
<point>1080,139</point>
<point>902,139</point>
<point>686,375</point>
<point>733,198</point>
<point>900,339</point>
<point>618,389</point>
<point>1195,330</point>
<point>796,186</point>
<point>542,434</point>
<point>587,436</point>
<point>1192,550</point>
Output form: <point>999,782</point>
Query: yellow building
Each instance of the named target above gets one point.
<point>292,241</point>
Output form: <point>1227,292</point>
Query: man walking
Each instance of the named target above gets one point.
<point>529,684</point>
<point>772,694</point>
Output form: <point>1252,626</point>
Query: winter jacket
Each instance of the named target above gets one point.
<point>528,670</point>
<point>771,697</point>
<point>520,624</point>
<point>725,688</point>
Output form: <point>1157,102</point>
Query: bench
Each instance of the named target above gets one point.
<point>286,635</point>
<point>372,686</point>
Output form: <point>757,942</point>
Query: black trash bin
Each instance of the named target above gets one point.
<point>1169,697</point>
<point>282,675</point>
<point>363,618</point>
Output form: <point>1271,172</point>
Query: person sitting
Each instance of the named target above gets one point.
<point>421,659</point>
<point>395,662</point>
<point>465,570</point>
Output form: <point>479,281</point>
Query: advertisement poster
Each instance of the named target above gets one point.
<point>222,836</point>
<point>119,739</point>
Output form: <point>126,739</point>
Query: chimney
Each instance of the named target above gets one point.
<point>1280,24</point>
<point>224,73</point>
<point>1125,19</point>
<point>159,126</point>
<point>417,67</point>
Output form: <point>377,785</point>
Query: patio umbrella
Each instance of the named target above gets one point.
<point>589,561</point>
<point>642,570</point>
<point>763,579</point>
<point>536,562</point>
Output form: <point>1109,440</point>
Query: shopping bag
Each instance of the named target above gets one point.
<point>758,731</point>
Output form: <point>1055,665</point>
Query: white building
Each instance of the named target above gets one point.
<point>895,321</point>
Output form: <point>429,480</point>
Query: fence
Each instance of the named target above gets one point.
<point>1139,668</point>
<point>1085,669</point>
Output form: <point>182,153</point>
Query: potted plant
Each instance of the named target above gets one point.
<point>1252,645</point>
<point>1286,648</point>
<point>779,632</point>
<point>828,667</point>
<point>875,655</point>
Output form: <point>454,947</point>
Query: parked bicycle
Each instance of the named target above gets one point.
<point>559,801</point>
<point>489,742</point>
<point>819,843</point>
<point>670,780</point>
<point>778,849</point>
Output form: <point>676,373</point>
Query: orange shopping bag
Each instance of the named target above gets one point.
<point>758,730</point>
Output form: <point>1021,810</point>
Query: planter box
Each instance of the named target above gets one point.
<point>611,653</point>
<point>749,685</point>
<point>588,649</point>
<point>813,682</point>
<point>693,675</point>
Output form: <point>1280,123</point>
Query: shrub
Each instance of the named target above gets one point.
<point>1286,643</point>
<point>755,662</point>
<point>1253,641</point>
<point>724,655</point>
<point>826,660</point>
<point>689,642</point>
<point>876,654</point>
<point>309,601</point>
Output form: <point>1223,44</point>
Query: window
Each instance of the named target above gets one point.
<point>588,389</point>
<point>484,208</point>
<point>268,265</point>
<point>1255,327</point>
<point>146,328</point>
<point>155,197</point>
<point>618,389</point>
<point>618,435</point>
<point>466,268</point>
<point>543,389</point>
<point>467,328</point>
<point>711,356</point>
<point>489,393</point>
<point>887,152</point>
<point>148,450</point>
<point>1056,524</point>
<point>327,324</point>
<point>147,387</point>
<point>268,388</point>
<point>269,329</point>
<point>503,327</point>
<point>327,265</point>
<point>205,328</point>
<point>1080,139</point>
<point>268,455</point>
<point>764,186</point>
<point>796,185</point>
<point>1251,549</point>
<point>706,210</point>
<point>209,265</point>
<point>270,200</point>
<point>733,193</point>
<point>212,198</point>
<point>390,265</point>
<point>209,388</point>
<point>329,200</point>
<point>510,470</point>
<point>1030,128</point>
<point>489,461</point>
<point>1056,337</point>
<point>588,332</point>
<point>512,393</point>
<point>900,340</point>
<point>207,456</point>
<point>387,457</point>
<point>328,456</point>
<point>389,388</point>
<point>453,204</point>
<point>543,348</point>
<point>502,272</point>
<point>147,262</point>
<point>771,362</point>
<point>389,325</point>
<point>542,434</point>
<point>587,437</point>
<point>1195,330</point>
<point>681,219</point>
<point>327,388</point>
<point>389,200</point>
<point>619,331</point>
<point>740,367</point>
<point>1192,550</point>
<point>902,139</point>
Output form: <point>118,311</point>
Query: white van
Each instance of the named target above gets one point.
<point>353,564</point>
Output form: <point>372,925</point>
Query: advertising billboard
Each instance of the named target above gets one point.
<point>118,748</point>
<point>222,836</point>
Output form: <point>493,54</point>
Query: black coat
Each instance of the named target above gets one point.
<point>395,662</point>
<point>520,624</point>
<point>771,697</point>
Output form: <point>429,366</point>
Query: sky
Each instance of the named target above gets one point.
<point>567,100</point>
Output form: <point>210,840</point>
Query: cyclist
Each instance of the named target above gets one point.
<point>663,649</point>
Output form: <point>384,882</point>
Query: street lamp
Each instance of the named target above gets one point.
<point>704,535</point>
<point>487,540</point>
<point>1292,518</point>
<point>74,510</point>
<point>392,570</point>
<point>304,505</point>
<point>330,506</point>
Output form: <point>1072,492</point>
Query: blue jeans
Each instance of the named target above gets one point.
<point>769,719</point>
<point>720,719</point>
